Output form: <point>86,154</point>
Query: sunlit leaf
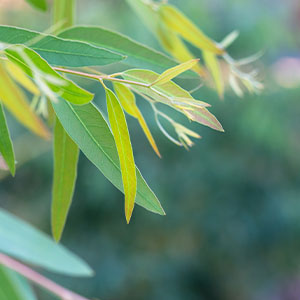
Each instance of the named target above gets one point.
<point>6,147</point>
<point>21,77</point>
<point>37,68</point>
<point>22,241</point>
<point>213,66</point>
<point>64,177</point>
<point>168,93</point>
<point>128,102</point>
<point>121,135</point>
<point>175,71</point>
<point>14,286</point>
<point>89,130</point>
<point>180,24</point>
<point>15,101</point>
<point>39,4</point>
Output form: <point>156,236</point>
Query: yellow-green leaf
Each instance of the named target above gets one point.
<point>128,102</point>
<point>175,71</point>
<point>19,76</point>
<point>66,154</point>
<point>213,66</point>
<point>180,24</point>
<point>121,135</point>
<point>15,101</point>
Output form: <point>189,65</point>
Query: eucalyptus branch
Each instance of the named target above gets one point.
<point>39,279</point>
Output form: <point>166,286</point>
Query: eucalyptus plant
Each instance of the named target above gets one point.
<point>47,64</point>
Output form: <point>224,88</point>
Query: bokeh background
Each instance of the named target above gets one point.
<point>232,229</point>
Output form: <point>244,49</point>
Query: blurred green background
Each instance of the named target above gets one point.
<point>232,230</point>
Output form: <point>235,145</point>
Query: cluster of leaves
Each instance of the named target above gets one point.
<point>38,64</point>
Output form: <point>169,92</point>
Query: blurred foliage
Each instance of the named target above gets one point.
<point>232,202</point>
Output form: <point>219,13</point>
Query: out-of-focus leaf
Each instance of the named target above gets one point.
<point>15,101</point>
<point>180,24</point>
<point>89,130</point>
<point>14,286</point>
<point>39,4</point>
<point>58,51</point>
<point>235,86</point>
<point>37,68</point>
<point>174,72</point>
<point>137,54</point>
<point>229,39</point>
<point>213,66</point>
<point>20,76</point>
<point>170,92</point>
<point>66,155</point>
<point>120,132</point>
<point>6,147</point>
<point>128,102</point>
<point>64,13</point>
<point>20,240</point>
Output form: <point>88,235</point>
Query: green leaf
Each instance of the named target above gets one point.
<point>37,68</point>
<point>127,100</point>
<point>174,72</point>
<point>15,101</point>
<point>39,4</point>
<point>172,94</point>
<point>137,54</point>
<point>6,147</point>
<point>22,241</point>
<point>214,67</point>
<point>122,139</point>
<point>89,130</point>
<point>66,155</point>
<point>179,23</point>
<point>58,51</point>
<point>14,286</point>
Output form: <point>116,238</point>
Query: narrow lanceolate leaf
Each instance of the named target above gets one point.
<point>66,155</point>
<point>39,4</point>
<point>89,130</point>
<point>21,77</point>
<point>214,67</point>
<point>14,287</point>
<point>128,102</point>
<point>37,68</point>
<point>172,94</point>
<point>6,147</point>
<point>137,54</point>
<point>22,241</point>
<point>175,71</point>
<point>180,24</point>
<point>15,101</point>
<point>229,39</point>
<point>58,51</point>
<point>122,139</point>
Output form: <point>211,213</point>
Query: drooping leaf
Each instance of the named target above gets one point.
<point>6,147</point>
<point>122,139</point>
<point>15,101</point>
<point>22,241</point>
<point>89,130</point>
<point>58,51</point>
<point>14,286</point>
<point>21,77</point>
<point>137,54</point>
<point>39,4</point>
<point>128,102</point>
<point>66,155</point>
<point>37,68</point>
<point>174,72</point>
<point>213,66</point>
<point>180,24</point>
<point>170,92</point>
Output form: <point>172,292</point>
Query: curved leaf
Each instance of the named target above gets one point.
<point>89,130</point>
<point>58,51</point>
<point>22,241</point>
